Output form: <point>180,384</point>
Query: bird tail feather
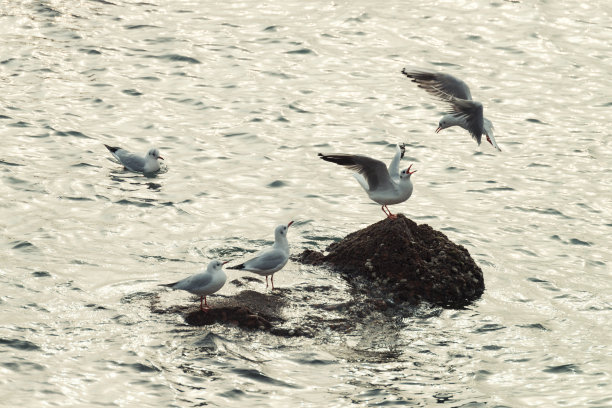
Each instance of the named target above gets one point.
<point>111,148</point>
<point>241,266</point>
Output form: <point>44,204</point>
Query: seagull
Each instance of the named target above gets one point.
<point>465,112</point>
<point>204,283</point>
<point>272,259</point>
<point>133,162</point>
<point>384,186</point>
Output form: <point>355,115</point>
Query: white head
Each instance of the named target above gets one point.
<point>215,265</point>
<point>154,154</point>
<point>450,120</point>
<point>405,174</point>
<point>280,232</point>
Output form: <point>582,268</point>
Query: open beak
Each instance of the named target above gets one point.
<point>410,172</point>
<point>438,129</point>
<point>290,222</point>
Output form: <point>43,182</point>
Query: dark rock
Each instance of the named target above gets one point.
<point>406,262</point>
<point>248,309</point>
<point>238,316</point>
<point>311,257</point>
<point>284,331</point>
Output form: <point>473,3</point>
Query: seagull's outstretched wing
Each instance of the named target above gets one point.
<point>394,165</point>
<point>374,171</point>
<point>439,85</point>
<point>471,113</point>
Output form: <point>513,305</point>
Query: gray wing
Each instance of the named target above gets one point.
<point>130,160</point>
<point>471,112</point>
<point>198,281</point>
<point>394,165</point>
<point>268,260</point>
<point>374,171</point>
<point>439,85</point>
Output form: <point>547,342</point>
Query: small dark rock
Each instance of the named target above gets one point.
<point>310,257</point>
<point>283,331</point>
<point>413,263</point>
<point>247,309</point>
<point>236,316</point>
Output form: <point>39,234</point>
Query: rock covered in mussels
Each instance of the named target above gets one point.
<point>412,262</point>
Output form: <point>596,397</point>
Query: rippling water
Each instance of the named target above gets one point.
<point>240,97</point>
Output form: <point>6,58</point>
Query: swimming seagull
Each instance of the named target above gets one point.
<point>384,185</point>
<point>133,162</point>
<point>465,112</point>
<point>272,259</point>
<point>204,283</point>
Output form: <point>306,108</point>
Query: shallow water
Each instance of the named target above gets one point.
<point>240,98</point>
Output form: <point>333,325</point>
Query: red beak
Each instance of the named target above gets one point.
<point>438,129</point>
<point>410,172</point>
<point>159,157</point>
<point>223,263</point>
<point>290,222</point>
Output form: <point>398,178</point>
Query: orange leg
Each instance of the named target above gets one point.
<point>388,212</point>
<point>383,208</point>
<point>203,298</point>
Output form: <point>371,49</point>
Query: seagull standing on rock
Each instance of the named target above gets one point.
<point>272,259</point>
<point>133,162</point>
<point>204,283</point>
<point>465,112</point>
<point>386,186</point>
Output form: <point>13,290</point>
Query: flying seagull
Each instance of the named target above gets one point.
<point>465,112</point>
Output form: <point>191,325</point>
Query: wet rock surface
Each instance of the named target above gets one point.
<point>238,316</point>
<point>248,309</point>
<point>386,271</point>
<point>302,310</point>
<point>399,261</point>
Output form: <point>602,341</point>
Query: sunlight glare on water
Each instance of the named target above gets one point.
<point>240,97</point>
